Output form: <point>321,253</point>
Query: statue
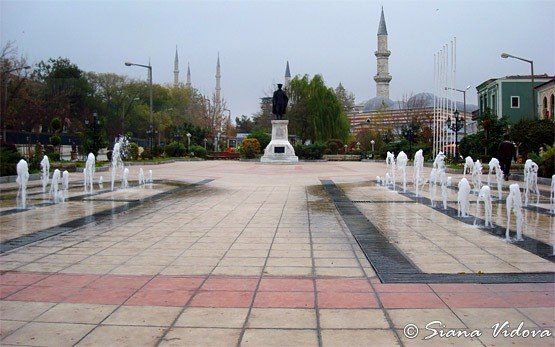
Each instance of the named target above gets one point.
<point>279,103</point>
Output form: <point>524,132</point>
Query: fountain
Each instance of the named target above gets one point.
<point>468,165</point>
<point>117,161</point>
<point>437,176</point>
<point>88,174</point>
<point>100,182</point>
<point>418,169</point>
<point>485,196</point>
<point>494,167</point>
<point>390,175</point>
<point>65,184</point>
<point>55,193</point>
<point>463,198</point>
<point>531,181</point>
<point>402,161</point>
<point>141,177</point>
<point>477,176</point>
<point>514,204</point>
<point>22,179</point>
<point>150,177</point>
<point>45,172</point>
<point>124,182</point>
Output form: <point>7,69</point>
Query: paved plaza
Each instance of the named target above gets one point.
<point>228,253</point>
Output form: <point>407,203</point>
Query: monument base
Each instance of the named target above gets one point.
<point>279,150</point>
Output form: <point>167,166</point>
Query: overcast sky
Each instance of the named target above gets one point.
<point>336,39</point>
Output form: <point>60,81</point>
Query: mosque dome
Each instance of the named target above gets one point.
<point>421,100</point>
<point>377,103</point>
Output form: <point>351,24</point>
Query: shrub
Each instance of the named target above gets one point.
<point>53,156</point>
<point>175,149</point>
<point>55,140</point>
<point>547,164</point>
<point>9,157</point>
<point>198,151</point>
<point>262,137</point>
<point>157,151</point>
<point>313,151</point>
<point>334,145</point>
<point>147,154</point>
<point>249,148</point>
<point>132,151</point>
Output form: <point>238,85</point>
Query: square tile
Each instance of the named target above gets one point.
<point>174,283</point>
<point>353,319</point>
<point>279,338</point>
<point>271,284</point>
<point>143,315</point>
<point>343,285</point>
<point>347,338</point>
<point>113,281</point>
<point>212,317</point>
<point>6,291</point>
<point>346,300</point>
<point>105,296</point>
<point>421,317</point>
<point>282,318</point>
<point>49,334</point>
<point>46,294</point>
<point>222,299</point>
<point>542,316</point>
<point>201,337</point>
<point>109,335</point>
<point>160,297</point>
<point>528,299</point>
<point>67,280</point>
<point>25,311</point>
<point>230,283</point>
<point>284,299</point>
<point>411,300</point>
<point>467,300</point>
<point>487,317</point>
<point>9,326</point>
<point>76,313</point>
<point>21,278</point>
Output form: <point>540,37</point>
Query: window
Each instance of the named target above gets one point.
<point>515,101</point>
<point>493,104</point>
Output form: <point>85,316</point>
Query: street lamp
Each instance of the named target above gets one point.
<point>93,125</point>
<point>455,126</point>
<point>505,56</point>
<point>188,141</point>
<point>5,100</point>
<point>464,103</point>
<point>372,143</point>
<point>123,114</point>
<point>150,85</point>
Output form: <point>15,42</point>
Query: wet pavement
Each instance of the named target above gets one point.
<point>232,253</point>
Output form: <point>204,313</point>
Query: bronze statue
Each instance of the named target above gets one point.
<point>279,102</point>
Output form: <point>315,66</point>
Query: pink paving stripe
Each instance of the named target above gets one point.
<point>272,291</point>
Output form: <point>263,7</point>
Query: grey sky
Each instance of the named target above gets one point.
<point>255,38</point>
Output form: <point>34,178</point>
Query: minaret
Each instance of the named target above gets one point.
<point>382,54</point>
<point>287,75</point>
<point>188,76</point>
<point>176,69</point>
<point>218,76</point>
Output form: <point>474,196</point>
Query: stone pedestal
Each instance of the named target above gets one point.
<point>279,150</point>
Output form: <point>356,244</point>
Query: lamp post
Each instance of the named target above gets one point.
<point>372,142</point>
<point>188,142</point>
<point>150,85</point>
<point>5,100</point>
<point>464,103</point>
<point>505,56</point>
<point>123,114</point>
<point>455,126</point>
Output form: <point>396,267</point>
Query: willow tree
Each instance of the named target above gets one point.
<point>316,113</point>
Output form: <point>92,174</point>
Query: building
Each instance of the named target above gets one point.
<point>510,96</point>
<point>546,99</point>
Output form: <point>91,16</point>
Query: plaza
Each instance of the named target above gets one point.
<point>239,253</point>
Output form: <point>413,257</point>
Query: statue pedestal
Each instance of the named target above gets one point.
<point>279,150</point>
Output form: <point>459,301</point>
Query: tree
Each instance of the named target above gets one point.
<point>530,135</point>
<point>483,145</point>
<point>244,124</point>
<point>316,113</point>
<point>346,98</point>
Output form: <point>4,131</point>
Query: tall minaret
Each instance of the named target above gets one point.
<point>287,75</point>
<point>188,76</point>
<point>176,69</point>
<point>382,54</point>
<point>218,76</point>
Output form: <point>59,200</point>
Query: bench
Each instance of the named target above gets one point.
<point>223,155</point>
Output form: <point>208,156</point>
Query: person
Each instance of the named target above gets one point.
<point>279,102</point>
<point>506,153</point>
